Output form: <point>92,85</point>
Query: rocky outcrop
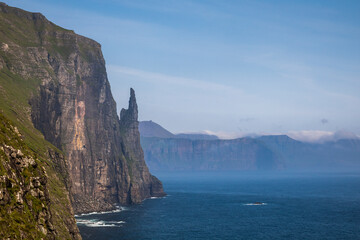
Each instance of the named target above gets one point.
<point>72,106</point>
<point>28,209</point>
<point>143,184</point>
<point>23,191</point>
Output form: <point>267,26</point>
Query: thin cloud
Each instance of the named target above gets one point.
<point>312,136</point>
<point>309,136</point>
<point>316,136</point>
<point>225,135</point>
<point>194,8</point>
<point>174,80</point>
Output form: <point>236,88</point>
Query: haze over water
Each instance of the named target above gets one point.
<point>221,206</point>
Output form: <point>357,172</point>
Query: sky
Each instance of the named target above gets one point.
<point>231,68</point>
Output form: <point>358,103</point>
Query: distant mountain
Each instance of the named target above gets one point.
<point>185,152</point>
<point>166,151</point>
<point>163,154</point>
<point>343,154</point>
<point>152,129</point>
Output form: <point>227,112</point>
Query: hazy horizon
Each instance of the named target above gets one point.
<point>304,136</point>
<point>229,68</point>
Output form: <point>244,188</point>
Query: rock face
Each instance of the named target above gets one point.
<point>143,184</point>
<point>165,151</point>
<point>165,154</point>
<point>64,92</point>
<point>340,155</point>
<point>277,152</point>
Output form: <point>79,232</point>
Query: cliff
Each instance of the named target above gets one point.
<point>55,90</point>
<point>143,184</point>
<point>163,154</point>
<point>265,152</point>
<point>165,151</point>
<point>340,155</point>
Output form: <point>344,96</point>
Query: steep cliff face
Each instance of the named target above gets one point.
<point>76,112</point>
<point>35,201</point>
<point>201,152</point>
<point>171,153</point>
<point>343,154</point>
<point>72,105</point>
<point>163,154</point>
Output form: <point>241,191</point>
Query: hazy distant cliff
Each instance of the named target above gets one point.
<point>175,152</point>
<point>343,154</point>
<point>166,151</point>
<point>187,154</point>
<point>53,85</point>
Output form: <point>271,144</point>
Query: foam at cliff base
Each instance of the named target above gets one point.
<point>118,209</point>
<point>157,197</point>
<point>99,223</point>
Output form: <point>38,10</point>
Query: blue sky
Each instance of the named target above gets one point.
<point>227,67</point>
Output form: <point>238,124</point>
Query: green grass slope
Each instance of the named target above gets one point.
<point>23,214</point>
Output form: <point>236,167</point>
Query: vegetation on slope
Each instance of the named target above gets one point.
<point>34,199</point>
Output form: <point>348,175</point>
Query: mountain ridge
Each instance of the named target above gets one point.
<point>152,129</point>
<point>271,152</point>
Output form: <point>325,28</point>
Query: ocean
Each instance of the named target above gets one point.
<point>238,206</point>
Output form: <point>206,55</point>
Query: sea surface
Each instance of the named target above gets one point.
<point>238,206</point>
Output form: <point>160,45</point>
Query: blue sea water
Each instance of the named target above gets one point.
<point>220,206</point>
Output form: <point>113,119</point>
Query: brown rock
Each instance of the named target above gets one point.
<point>13,155</point>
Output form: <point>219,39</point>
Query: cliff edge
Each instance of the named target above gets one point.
<point>54,89</point>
